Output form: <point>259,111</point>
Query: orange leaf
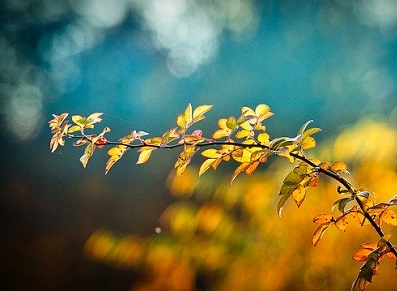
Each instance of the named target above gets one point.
<point>389,216</point>
<point>323,219</point>
<point>342,222</point>
<point>318,233</point>
<point>240,169</point>
<point>362,255</point>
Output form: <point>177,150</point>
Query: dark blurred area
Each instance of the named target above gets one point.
<point>140,63</point>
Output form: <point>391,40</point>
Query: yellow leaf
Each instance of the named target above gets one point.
<point>263,138</point>
<point>246,126</point>
<point>246,111</point>
<point>180,121</point>
<point>94,118</point>
<point>78,120</point>
<point>200,111</point>
<point>188,114</point>
<point>389,216</point>
<point>308,143</point>
<point>206,165</point>
<point>339,166</point>
<point>262,111</point>
<point>144,156</point>
<point>193,138</point>
<point>211,153</point>
<point>299,195</point>
<point>89,150</point>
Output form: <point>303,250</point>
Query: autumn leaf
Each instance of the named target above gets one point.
<point>59,128</point>
<point>144,154</point>
<point>342,222</point>
<point>198,113</point>
<point>323,219</point>
<point>389,216</point>
<point>223,131</point>
<point>299,194</point>
<point>339,166</point>
<point>184,158</point>
<point>341,203</point>
<point>319,232</point>
<point>118,151</point>
<point>241,168</point>
<point>206,165</point>
<point>88,152</point>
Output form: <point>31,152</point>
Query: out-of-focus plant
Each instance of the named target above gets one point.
<point>216,231</point>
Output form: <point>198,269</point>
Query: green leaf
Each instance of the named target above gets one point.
<point>88,152</point>
<point>74,128</point>
<point>231,122</point>
<point>341,203</point>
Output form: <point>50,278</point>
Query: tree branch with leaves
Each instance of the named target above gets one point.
<point>244,140</point>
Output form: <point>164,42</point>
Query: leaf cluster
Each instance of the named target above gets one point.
<point>244,140</point>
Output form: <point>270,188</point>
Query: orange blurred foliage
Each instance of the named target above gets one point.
<point>217,237</point>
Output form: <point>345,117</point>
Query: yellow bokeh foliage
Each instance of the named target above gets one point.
<point>234,237</point>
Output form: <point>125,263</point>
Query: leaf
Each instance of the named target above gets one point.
<point>290,183</point>
<point>239,169</point>
<point>198,113</point>
<point>341,203</point>
<point>299,195</point>
<point>211,153</point>
<point>389,216</point>
<point>74,128</point>
<point>319,232</point>
<point>184,158</point>
<point>59,127</point>
<point>339,166</point>
<point>79,120</point>
<point>303,128</point>
<point>169,135</point>
<point>308,143</point>
<point>342,222</point>
<point>118,151</point>
<point>193,139</point>
<point>88,152</point>
<point>323,219</point>
<point>263,138</point>
<point>206,165</point>
<point>188,115</point>
<point>231,122</point>
<point>262,111</point>
<point>362,255</point>
<point>223,130</point>
<point>94,118</point>
<point>185,119</point>
<point>144,155</point>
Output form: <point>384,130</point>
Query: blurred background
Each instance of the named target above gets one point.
<point>140,62</point>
